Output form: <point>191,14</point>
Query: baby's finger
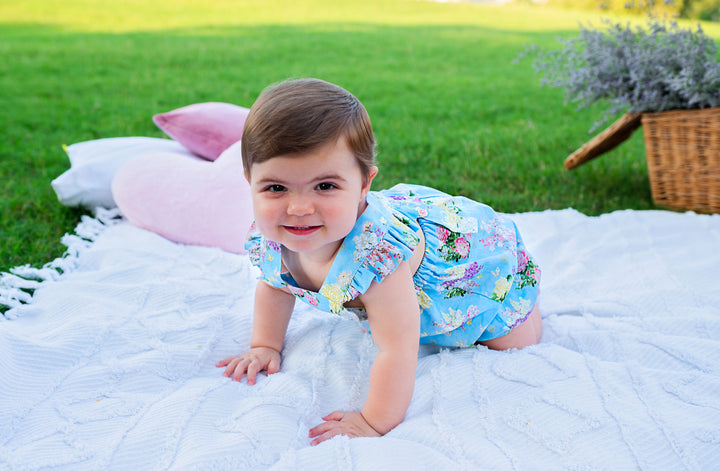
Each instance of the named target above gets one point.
<point>325,436</point>
<point>322,428</point>
<point>273,367</point>
<point>252,370</point>
<point>237,369</point>
<point>225,362</point>
<point>231,366</point>
<point>336,416</point>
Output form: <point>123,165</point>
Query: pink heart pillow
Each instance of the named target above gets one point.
<point>187,200</point>
<point>206,129</point>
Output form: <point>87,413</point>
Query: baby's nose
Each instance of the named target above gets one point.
<point>300,207</point>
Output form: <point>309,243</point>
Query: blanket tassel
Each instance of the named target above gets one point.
<point>17,286</point>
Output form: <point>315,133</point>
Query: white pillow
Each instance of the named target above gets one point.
<point>93,165</point>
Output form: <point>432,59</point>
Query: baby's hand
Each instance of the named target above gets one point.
<point>251,362</point>
<point>351,424</point>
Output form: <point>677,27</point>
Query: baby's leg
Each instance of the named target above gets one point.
<point>527,333</point>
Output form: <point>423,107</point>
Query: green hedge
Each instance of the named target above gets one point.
<point>706,10</point>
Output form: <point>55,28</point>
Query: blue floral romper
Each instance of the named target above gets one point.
<point>476,280</point>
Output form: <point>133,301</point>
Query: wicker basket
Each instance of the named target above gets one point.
<point>683,156</point>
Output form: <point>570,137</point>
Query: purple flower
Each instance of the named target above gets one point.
<point>656,68</point>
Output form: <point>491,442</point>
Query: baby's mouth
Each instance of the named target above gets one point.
<point>301,230</point>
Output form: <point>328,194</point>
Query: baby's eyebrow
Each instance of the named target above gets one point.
<point>330,176</point>
<point>269,180</point>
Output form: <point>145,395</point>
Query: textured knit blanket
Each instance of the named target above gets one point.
<point>107,361</point>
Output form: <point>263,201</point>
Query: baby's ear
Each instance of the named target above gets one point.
<point>372,173</point>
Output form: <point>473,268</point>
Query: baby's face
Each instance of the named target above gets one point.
<point>309,202</point>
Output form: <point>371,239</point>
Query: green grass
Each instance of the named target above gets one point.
<point>449,106</point>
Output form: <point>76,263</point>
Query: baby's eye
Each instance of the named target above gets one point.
<point>275,188</point>
<point>325,186</point>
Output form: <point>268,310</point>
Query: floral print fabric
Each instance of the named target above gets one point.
<point>476,280</point>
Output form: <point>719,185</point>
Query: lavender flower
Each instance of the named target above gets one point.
<point>657,68</point>
<point>462,284</point>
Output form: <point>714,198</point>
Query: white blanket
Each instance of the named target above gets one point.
<point>110,364</point>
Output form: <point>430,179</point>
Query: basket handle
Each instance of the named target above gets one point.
<point>613,136</point>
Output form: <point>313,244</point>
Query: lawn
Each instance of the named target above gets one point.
<point>450,107</point>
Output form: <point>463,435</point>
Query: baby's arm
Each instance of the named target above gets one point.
<point>273,308</point>
<point>394,317</point>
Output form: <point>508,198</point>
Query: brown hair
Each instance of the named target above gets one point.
<point>296,116</point>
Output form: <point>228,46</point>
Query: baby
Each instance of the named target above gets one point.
<point>418,265</point>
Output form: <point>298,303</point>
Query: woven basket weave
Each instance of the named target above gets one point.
<point>683,157</point>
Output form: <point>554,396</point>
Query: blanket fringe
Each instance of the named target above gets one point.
<point>17,286</point>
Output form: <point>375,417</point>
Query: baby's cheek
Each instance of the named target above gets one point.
<point>263,220</point>
<point>344,219</point>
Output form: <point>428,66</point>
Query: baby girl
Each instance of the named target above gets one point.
<point>418,265</point>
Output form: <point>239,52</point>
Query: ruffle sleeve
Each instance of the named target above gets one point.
<point>252,245</point>
<point>264,254</point>
<point>380,241</point>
